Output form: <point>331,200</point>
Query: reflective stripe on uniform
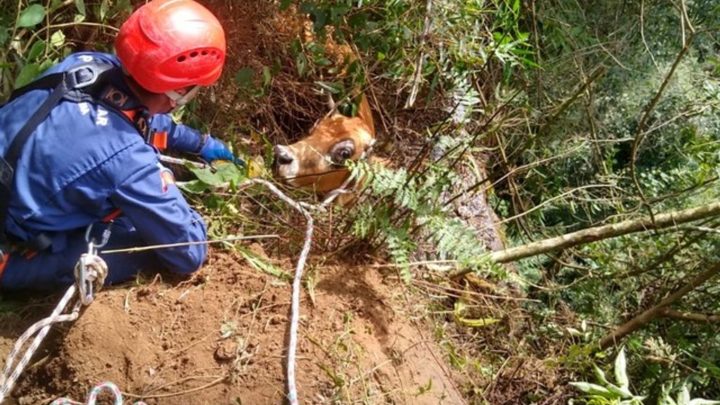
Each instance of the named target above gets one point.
<point>3,263</point>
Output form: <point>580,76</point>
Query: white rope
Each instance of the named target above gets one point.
<point>295,311</point>
<point>94,393</point>
<point>303,208</point>
<point>180,244</point>
<point>90,272</point>
<point>292,395</point>
<point>181,161</point>
<point>10,375</point>
<point>99,271</point>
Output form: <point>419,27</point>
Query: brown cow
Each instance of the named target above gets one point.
<point>317,161</point>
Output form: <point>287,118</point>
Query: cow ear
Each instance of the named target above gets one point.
<point>365,113</point>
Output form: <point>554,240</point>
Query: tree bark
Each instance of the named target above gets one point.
<point>690,316</point>
<point>648,315</point>
<point>595,234</point>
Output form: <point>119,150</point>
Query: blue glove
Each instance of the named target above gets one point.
<point>214,149</point>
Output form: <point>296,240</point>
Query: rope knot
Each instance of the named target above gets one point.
<point>90,273</point>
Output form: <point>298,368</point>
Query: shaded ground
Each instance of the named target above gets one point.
<point>220,338</point>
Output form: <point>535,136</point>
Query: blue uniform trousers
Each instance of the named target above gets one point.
<point>53,270</point>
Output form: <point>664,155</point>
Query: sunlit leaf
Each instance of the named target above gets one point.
<point>104,8</point>
<point>600,375</point>
<point>332,87</point>
<point>194,186</point>
<point>594,389</point>
<point>621,370</point>
<point>31,16</point>
<point>57,40</point>
<point>263,265</point>
<point>80,5</point>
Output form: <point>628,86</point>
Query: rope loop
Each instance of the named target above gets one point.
<point>95,392</point>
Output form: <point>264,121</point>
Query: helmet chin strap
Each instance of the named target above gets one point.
<point>182,99</point>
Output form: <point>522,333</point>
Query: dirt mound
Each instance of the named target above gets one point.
<point>220,339</point>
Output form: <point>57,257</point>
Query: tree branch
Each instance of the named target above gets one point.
<point>421,58</point>
<point>597,233</point>
<point>641,132</point>
<point>646,316</point>
<point>690,316</point>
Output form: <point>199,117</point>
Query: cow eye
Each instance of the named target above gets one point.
<point>342,152</point>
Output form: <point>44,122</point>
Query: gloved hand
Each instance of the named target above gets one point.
<point>214,149</point>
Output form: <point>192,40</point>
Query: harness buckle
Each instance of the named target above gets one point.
<point>81,77</point>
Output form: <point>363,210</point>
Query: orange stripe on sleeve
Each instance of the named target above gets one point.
<point>3,263</point>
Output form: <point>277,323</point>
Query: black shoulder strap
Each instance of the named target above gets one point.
<point>85,76</point>
<point>81,77</point>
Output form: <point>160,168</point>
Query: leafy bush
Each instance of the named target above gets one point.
<point>606,392</point>
<point>37,35</point>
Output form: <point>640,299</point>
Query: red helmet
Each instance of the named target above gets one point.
<point>172,44</point>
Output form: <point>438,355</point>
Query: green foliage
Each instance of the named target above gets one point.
<point>607,393</point>
<point>404,208</point>
<point>252,84</point>
<point>36,36</point>
<point>464,37</point>
<point>222,175</point>
<point>584,138</point>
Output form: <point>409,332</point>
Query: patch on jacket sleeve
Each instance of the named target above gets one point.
<point>166,177</point>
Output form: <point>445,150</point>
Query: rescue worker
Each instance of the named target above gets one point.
<point>93,153</point>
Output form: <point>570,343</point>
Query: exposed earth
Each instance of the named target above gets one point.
<point>220,338</point>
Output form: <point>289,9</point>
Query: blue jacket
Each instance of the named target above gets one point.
<point>85,161</point>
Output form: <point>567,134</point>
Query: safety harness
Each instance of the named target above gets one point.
<point>94,82</point>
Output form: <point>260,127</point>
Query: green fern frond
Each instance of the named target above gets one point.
<point>421,200</point>
<point>400,247</point>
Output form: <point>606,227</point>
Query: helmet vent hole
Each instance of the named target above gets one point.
<point>204,53</point>
<point>193,54</point>
<point>181,58</point>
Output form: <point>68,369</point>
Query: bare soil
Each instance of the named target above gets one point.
<point>220,338</point>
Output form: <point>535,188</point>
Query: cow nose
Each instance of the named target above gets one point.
<point>282,155</point>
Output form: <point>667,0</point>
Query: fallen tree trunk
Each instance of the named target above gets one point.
<point>661,221</point>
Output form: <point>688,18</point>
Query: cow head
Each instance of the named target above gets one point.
<point>318,161</point>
